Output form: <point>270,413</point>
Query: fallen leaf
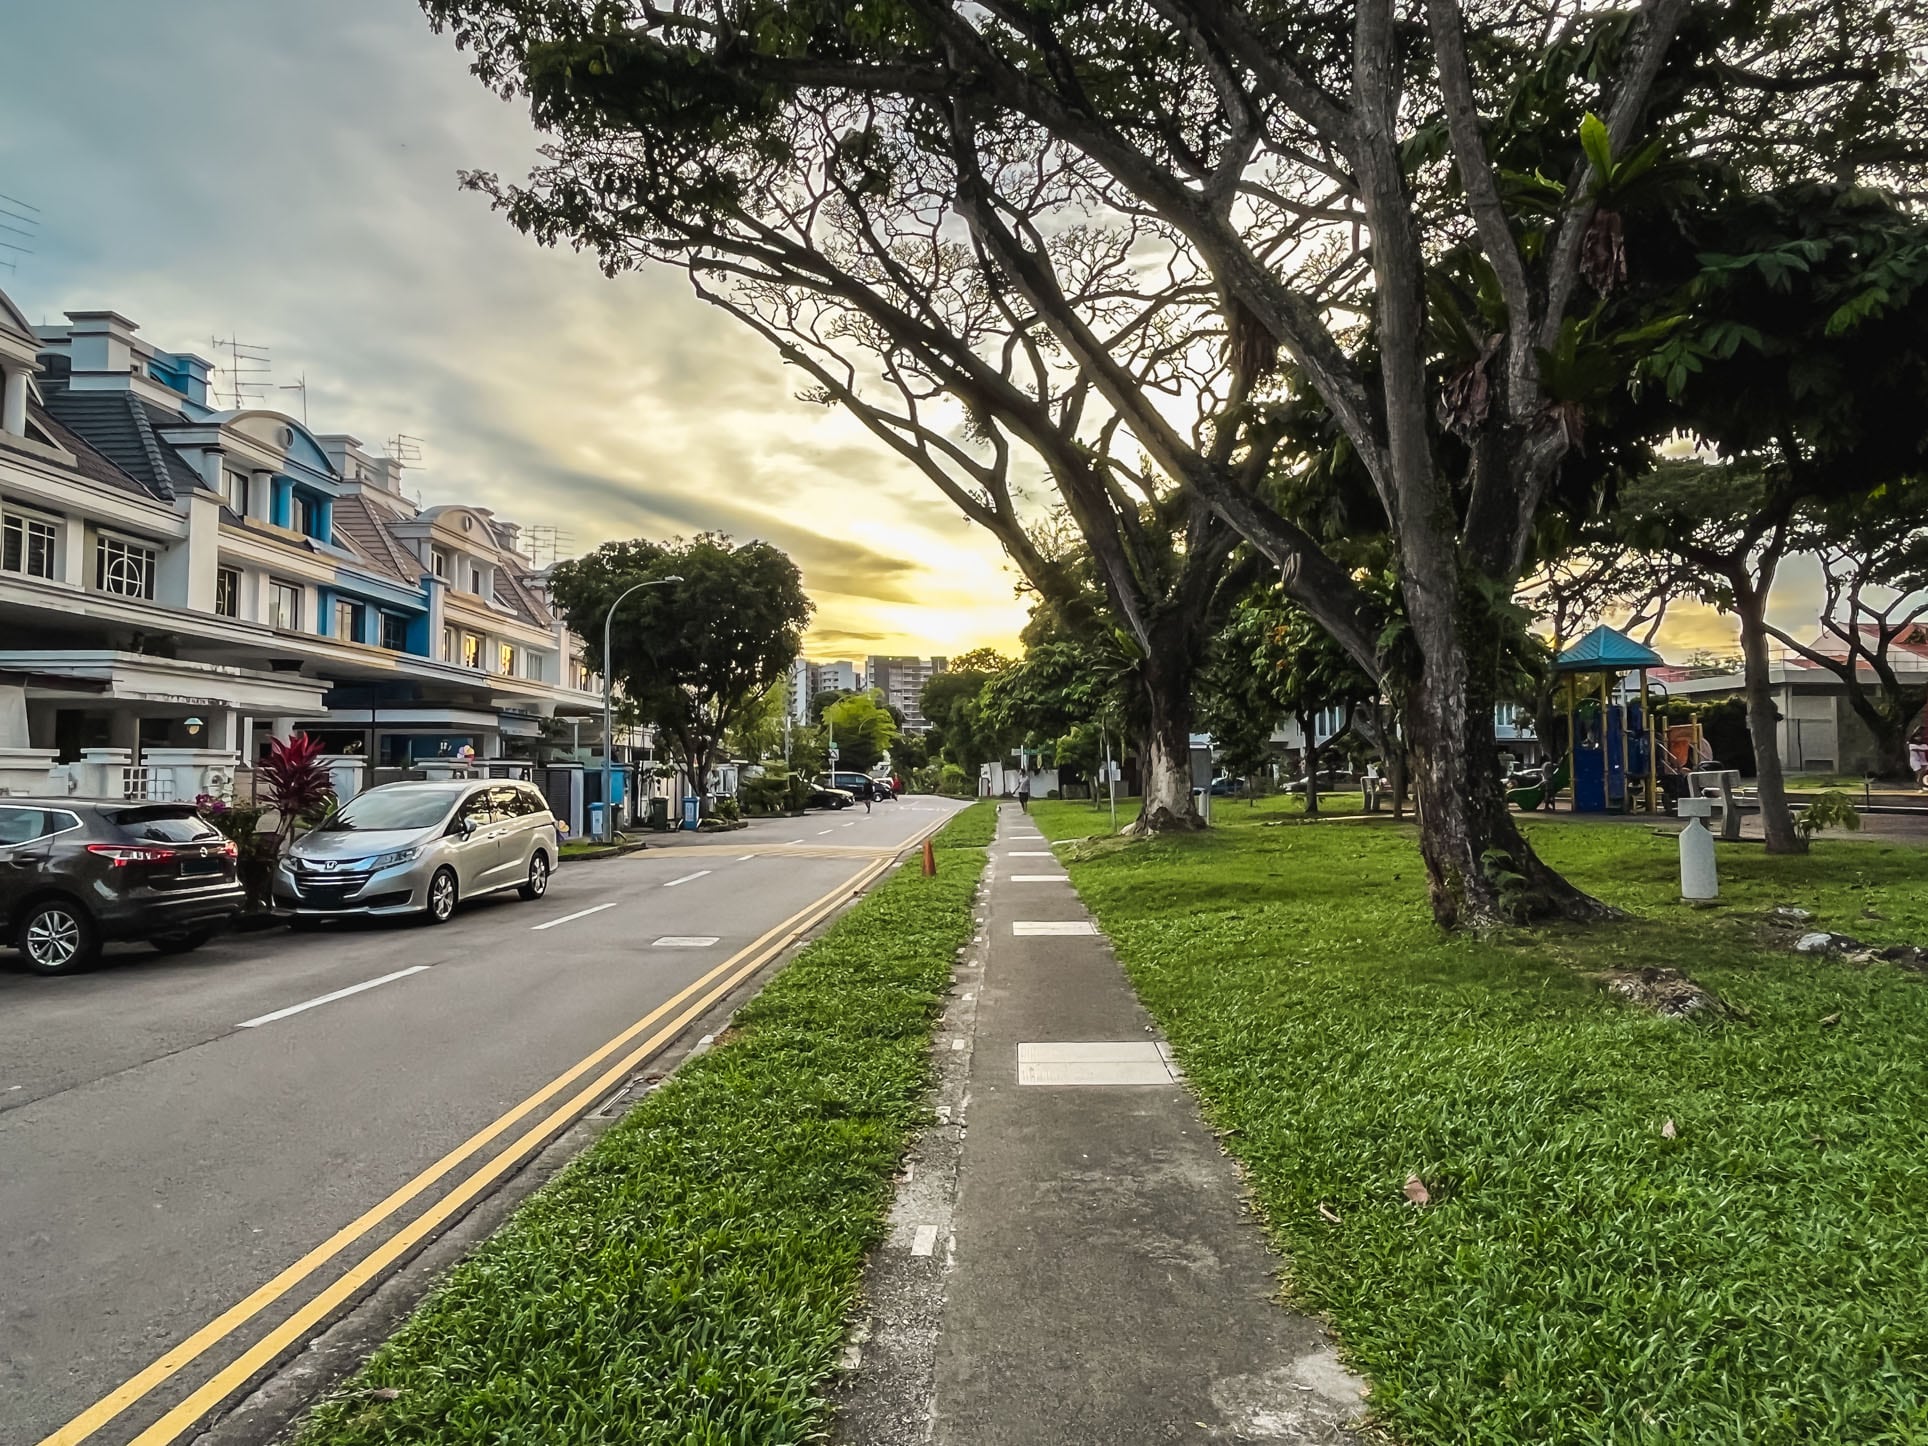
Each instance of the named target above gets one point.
<point>1830,1021</point>
<point>386,1393</point>
<point>1328,1213</point>
<point>1667,1131</point>
<point>1416,1190</point>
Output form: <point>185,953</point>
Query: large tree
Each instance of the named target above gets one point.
<point>1096,244</point>
<point>693,656</point>
<point>863,728</point>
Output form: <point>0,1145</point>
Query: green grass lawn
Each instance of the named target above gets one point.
<point>687,1278</point>
<point>1578,1277</point>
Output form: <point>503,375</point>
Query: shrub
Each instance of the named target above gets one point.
<point>1830,809</point>
<point>770,794</point>
<point>726,809</point>
<point>297,783</point>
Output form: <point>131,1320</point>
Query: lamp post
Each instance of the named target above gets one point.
<point>609,726</point>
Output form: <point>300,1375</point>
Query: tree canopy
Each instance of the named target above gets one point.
<point>863,728</point>
<point>1138,252</point>
<point>693,656</point>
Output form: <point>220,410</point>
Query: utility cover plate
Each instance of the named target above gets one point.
<point>1120,1062</point>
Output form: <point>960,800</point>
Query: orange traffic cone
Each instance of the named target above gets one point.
<point>930,859</point>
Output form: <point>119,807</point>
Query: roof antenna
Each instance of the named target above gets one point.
<point>247,371</point>
<point>17,219</point>
<point>301,386</point>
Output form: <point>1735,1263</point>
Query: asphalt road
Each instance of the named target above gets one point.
<point>177,1133</point>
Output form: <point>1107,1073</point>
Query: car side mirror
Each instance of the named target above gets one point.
<point>464,828</point>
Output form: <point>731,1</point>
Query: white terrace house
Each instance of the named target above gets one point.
<point>179,583</point>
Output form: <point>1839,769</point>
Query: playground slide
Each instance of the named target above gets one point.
<point>1539,795</point>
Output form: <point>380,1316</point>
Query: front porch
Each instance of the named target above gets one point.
<point>108,724</point>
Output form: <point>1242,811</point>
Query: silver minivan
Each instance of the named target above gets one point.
<point>421,848</point>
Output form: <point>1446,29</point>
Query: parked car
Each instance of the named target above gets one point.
<point>75,874</point>
<point>421,848</point>
<point>1225,784</point>
<point>822,795</point>
<point>859,786</point>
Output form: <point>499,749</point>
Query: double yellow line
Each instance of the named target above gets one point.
<point>714,985</point>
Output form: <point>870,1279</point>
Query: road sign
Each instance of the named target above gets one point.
<point>834,755</point>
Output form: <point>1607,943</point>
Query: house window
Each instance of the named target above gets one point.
<point>475,580</point>
<point>505,659</point>
<point>227,592</point>
<point>27,546</point>
<point>395,632</point>
<point>124,568</point>
<point>237,491</point>
<point>532,667</point>
<point>284,606</point>
<point>438,562</point>
<point>448,645</point>
<point>472,651</point>
<point>347,620</point>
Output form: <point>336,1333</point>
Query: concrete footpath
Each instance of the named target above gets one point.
<point>1071,1260</point>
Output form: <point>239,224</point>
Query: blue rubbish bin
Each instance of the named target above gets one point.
<point>692,810</point>
<point>595,821</point>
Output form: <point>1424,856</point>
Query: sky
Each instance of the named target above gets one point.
<point>282,172</point>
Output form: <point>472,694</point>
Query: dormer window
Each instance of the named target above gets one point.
<point>236,488</point>
<point>438,562</point>
<point>475,579</point>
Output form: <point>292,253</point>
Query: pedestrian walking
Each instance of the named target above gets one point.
<point>1024,795</point>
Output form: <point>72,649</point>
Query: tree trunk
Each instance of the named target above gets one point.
<point>1777,819</point>
<point>1165,748</point>
<point>1889,723</point>
<point>1480,868</point>
<point>1310,755</point>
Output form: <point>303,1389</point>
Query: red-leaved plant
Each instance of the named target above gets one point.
<point>297,784</point>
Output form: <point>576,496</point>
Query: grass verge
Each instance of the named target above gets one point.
<point>687,1278</point>
<point>1579,1275</point>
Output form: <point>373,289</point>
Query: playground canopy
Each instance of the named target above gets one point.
<point>1605,650</point>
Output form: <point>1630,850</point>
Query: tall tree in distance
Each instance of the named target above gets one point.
<point>864,730</point>
<point>1100,246</point>
<point>693,656</point>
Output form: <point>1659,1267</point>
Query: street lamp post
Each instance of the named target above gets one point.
<point>609,725</point>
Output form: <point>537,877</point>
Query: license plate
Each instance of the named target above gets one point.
<point>200,866</point>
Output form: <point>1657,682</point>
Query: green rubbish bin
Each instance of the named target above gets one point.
<point>658,814</point>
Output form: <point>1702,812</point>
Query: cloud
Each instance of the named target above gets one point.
<point>286,175</point>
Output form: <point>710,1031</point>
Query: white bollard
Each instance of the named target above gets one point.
<point>1698,879</point>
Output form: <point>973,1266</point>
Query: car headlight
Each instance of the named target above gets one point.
<point>398,856</point>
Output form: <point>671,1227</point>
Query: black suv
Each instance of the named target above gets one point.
<point>75,873</point>
<point>859,786</point>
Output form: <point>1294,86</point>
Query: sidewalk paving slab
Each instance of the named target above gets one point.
<point>1099,1279</point>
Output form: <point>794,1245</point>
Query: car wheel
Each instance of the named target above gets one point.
<point>538,884</point>
<point>58,937</point>
<point>183,943</point>
<point>441,896</point>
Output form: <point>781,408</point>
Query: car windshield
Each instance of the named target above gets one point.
<point>378,810</point>
<point>174,824</point>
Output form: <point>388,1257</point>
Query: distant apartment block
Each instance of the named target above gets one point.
<point>808,679</point>
<point>901,681</point>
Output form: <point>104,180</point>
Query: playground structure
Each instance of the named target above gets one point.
<point>1612,764</point>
